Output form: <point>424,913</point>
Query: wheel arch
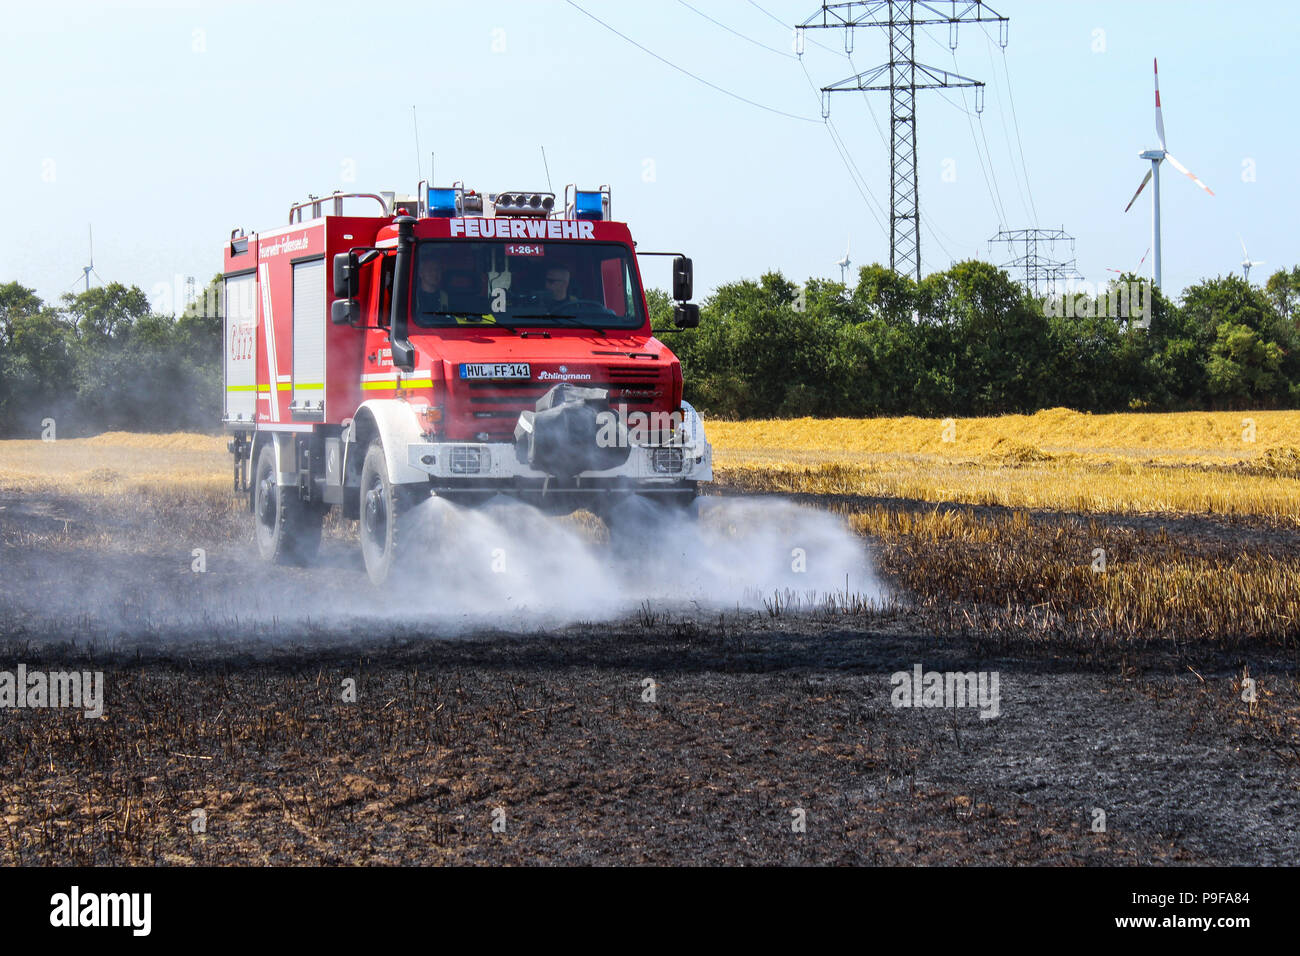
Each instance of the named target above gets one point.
<point>395,424</point>
<point>282,444</point>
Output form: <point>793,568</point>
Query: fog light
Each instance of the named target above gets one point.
<point>667,461</point>
<point>468,460</point>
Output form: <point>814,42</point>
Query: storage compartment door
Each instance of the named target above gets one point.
<point>239,364</point>
<point>309,320</point>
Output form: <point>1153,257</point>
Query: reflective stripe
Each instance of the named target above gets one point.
<point>392,384</point>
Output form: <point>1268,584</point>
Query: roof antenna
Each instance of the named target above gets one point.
<point>415,121</point>
<point>545,166</point>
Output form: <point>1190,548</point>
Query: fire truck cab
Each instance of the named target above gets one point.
<point>451,344</point>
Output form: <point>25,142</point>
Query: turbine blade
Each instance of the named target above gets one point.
<point>1160,116</point>
<point>1145,179</point>
<point>1187,172</point>
<point>1144,256</point>
<point>1244,252</point>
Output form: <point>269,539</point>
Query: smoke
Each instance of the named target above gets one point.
<point>499,566</point>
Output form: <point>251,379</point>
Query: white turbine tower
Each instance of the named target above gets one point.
<point>845,263</point>
<point>88,270</point>
<point>1246,263</point>
<point>1156,157</point>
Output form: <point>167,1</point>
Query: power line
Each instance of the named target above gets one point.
<point>847,159</point>
<point>719,23</point>
<point>679,69</point>
<point>784,25</point>
<point>990,176</point>
<point>870,109</point>
<point>1006,137</point>
<point>1011,96</point>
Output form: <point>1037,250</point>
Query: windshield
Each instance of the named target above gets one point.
<point>536,283</point>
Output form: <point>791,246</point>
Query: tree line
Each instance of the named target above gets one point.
<point>103,360</point>
<point>965,341</point>
<point>971,341</point>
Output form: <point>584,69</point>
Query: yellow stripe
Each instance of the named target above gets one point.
<point>409,383</point>
<point>318,387</point>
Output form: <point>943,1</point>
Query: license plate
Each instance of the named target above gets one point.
<point>494,370</point>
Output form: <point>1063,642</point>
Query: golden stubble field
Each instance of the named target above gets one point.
<point>1227,463</point>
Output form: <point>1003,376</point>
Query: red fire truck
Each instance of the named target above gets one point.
<point>452,344</point>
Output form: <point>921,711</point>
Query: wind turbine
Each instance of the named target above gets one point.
<point>1139,265</point>
<point>1246,263</point>
<point>845,263</point>
<point>1156,157</point>
<point>88,270</point>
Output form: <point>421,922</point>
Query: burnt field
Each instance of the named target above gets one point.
<point>298,716</point>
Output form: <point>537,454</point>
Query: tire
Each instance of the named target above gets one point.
<point>386,526</point>
<point>287,529</point>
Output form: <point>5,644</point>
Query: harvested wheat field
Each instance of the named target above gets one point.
<point>1123,592</point>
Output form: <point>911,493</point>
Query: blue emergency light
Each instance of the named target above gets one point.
<point>442,202</point>
<point>589,205</point>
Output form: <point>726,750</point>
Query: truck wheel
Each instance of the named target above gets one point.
<point>288,530</point>
<point>386,523</point>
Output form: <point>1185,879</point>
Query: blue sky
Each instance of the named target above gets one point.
<point>167,124</point>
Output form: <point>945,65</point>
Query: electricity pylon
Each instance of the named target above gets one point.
<point>902,76</point>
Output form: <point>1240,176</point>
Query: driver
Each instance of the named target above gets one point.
<point>556,289</point>
<point>433,297</point>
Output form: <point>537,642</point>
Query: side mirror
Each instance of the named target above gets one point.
<point>347,282</point>
<point>683,278</point>
<point>345,312</point>
<point>686,315</point>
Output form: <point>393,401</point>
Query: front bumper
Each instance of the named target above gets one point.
<point>688,460</point>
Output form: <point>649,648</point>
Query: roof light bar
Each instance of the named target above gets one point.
<point>523,203</point>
